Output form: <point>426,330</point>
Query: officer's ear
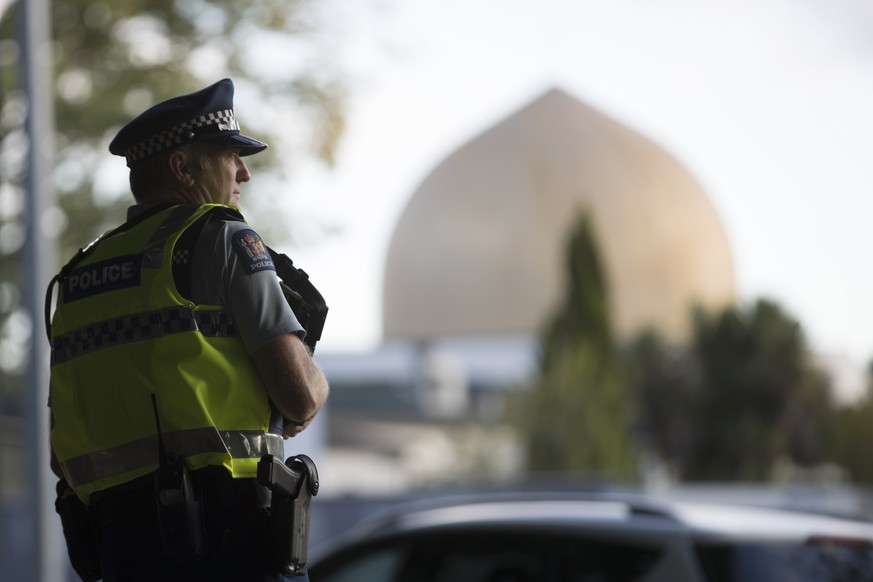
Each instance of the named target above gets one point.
<point>180,164</point>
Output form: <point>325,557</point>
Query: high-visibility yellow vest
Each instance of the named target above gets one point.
<point>121,333</point>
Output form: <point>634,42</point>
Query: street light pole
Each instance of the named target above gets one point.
<point>47,547</point>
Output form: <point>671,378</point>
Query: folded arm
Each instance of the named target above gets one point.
<point>294,382</point>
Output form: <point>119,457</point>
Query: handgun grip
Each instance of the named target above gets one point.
<point>287,478</point>
<point>278,477</point>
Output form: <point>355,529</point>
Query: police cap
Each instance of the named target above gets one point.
<point>205,115</point>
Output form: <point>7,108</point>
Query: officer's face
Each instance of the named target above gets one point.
<point>218,173</point>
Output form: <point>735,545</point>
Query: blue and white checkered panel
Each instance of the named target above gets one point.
<point>215,323</point>
<point>179,134</point>
<point>137,327</point>
<point>180,256</point>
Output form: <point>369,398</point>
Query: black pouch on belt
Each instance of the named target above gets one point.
<point>79,533</point>
<point>180,513</point>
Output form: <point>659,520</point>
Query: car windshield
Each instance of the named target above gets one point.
<point>492,556</point>
<point>816,560</point>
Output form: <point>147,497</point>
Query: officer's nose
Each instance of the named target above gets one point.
<point>242,171</point>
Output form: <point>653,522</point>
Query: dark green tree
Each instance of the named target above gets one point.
<point>761,399</point>
<point>110,60</point>
<point>583,316</point>
<point>664,381</point>
<point>578,417</point>
<point>850,435</point>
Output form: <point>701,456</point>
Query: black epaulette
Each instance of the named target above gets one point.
<point>183,251</point>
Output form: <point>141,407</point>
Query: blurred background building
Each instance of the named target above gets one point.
<point>477,264</point>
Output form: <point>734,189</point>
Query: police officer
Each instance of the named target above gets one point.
<point>174,353</point>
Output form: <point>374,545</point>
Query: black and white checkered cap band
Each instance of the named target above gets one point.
<point>180,134</point>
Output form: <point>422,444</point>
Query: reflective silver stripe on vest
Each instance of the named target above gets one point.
<point>140,326</point>
<point>144,452</point>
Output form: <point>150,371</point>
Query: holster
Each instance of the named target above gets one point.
<point>294,484</point>
<point>79,533</point>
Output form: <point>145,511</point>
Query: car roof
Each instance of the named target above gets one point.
<point>609,510</point>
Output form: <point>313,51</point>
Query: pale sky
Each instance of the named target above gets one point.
<point>768,104</point>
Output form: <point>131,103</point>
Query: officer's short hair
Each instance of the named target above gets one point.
<point>153,175</point>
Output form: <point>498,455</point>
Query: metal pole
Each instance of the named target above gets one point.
<point>47,553</point>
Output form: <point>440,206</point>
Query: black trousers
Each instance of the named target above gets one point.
<point>235,523</point>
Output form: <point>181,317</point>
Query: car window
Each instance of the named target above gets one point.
<point>501,556</point>
<point>485,555</point>
<point>817,561</point>
<point>376,564</point>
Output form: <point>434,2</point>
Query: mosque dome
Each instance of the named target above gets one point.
<point>479,248</point>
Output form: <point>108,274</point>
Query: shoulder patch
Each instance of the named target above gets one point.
<point>252,252</point>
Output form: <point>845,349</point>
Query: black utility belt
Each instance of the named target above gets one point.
<point>178,498</point>
<point>213,486</point>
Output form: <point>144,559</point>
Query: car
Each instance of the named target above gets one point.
<point>546,537</point>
